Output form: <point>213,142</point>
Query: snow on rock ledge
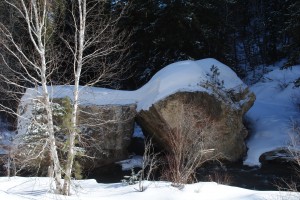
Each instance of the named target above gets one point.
<point>180,76</point>
<point>186,76</point>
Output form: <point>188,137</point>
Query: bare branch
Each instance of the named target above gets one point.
<point>186,144</point>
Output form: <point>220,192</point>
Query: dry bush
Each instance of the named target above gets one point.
<point>187,145</point>
<point>295,141</point>
<point>294,152</point>
<point>150,164</point>
<point>221,178</point>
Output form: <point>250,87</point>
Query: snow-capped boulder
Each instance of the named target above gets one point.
<point>218,95</point>
<point>105,130</point>
<point>108,115</point>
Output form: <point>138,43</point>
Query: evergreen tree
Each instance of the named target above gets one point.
<point>140,21</point>
<point>293,31</point>
<point>167,31</point>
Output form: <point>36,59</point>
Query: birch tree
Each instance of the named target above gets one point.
<point>87,46</point>
<point>90,45</point>
<point>34,65</point>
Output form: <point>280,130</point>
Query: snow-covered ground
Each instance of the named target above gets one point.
<point>18,188</point>
<point>272,112</point>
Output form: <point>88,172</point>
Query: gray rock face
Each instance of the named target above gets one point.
<point>105,134</point>
<point>224,111</point>
<point>279,155</point>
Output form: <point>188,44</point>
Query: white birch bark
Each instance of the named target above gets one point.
<point>35,15</point>
<point>105,38</point>
<point>38,21</point>
<point>78,63</point>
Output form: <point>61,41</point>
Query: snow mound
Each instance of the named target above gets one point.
<point>185,76</point>
<point>272,112</point>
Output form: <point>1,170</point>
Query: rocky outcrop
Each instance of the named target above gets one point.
<point>224,110</point>
<point>202,97</point>
<point>105,133</point>
<point>279,156</point>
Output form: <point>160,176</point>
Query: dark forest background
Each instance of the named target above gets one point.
<point>243,34</point>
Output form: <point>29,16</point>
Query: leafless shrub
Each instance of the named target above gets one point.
<point>187,146</point>
<point>221,178</point>
<point>295,141</point>
<point>285,185</point>
<point>282,84</point>
<point>294,152</point>
<point>150,164</point>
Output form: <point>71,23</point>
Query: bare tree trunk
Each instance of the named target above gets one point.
<point>40,27</point>
<point>104,42</point>
<point>78,63</point>
<point>36,68</point>
<point>35,15</point>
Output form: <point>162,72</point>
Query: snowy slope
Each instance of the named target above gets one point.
<point>18,188</point>
<point>272,112</point>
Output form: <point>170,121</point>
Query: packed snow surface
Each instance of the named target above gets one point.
<point>272,113</point>
<point>180,76</point>
<point>19,188</point>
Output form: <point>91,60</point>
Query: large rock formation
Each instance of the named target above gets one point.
<point>105,133</point>
<point>203,97</point>
<point>108,130</point>
<point>222,110</point>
